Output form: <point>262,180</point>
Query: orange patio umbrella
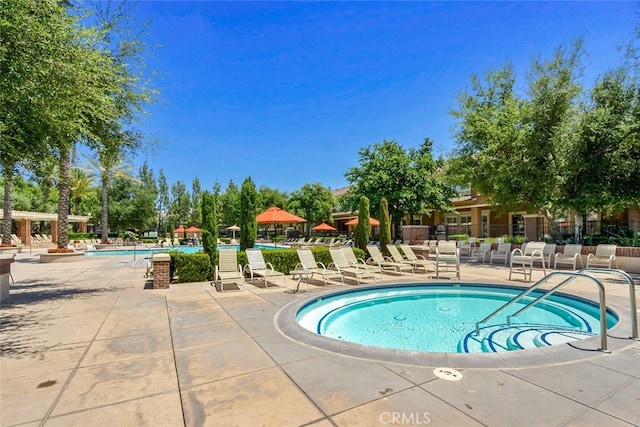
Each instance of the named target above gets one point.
<point>274,215</point>
<point>374,222</point>
<point>323,227</point>
<point>179,230</point>
<point>193,230</point>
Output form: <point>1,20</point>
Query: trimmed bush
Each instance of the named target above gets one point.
<point>190,267</point>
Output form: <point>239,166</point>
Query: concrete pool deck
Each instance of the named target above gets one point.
<point>86,343</point>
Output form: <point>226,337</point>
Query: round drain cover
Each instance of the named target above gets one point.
<point>448,374</point>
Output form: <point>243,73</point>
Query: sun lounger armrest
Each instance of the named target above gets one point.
<point>321,265</point>
<point>516,251</point>
<point>270,266</point>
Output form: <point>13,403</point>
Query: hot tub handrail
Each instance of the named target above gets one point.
<point>572,276</point>
<point>632,293</point>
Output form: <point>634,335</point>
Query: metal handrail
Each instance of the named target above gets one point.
<point>572,276</point>
<point>632,294</point>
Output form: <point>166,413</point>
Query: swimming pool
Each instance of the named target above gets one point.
<point>144,250</point>
<point>442,318</point>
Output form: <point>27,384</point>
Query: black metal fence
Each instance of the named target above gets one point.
<point>624,233</point>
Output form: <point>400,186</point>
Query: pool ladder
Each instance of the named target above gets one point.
<point>571,276</point>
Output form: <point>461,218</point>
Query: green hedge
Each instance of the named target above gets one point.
<point>190,267</point>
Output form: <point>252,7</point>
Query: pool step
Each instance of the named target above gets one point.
<point>497,338</point>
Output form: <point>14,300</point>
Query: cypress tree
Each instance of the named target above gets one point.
<point>363,229</point>
<point>209,225</point>
<point>248,223</point>
<point>385,226</point>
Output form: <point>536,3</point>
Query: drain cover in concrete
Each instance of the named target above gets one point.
<point>448,374</point>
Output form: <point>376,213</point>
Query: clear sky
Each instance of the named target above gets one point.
<point>288,92</point>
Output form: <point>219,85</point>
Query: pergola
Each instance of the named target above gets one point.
<point>24,219</point>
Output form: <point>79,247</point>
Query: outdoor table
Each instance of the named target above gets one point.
<point>300,274</point>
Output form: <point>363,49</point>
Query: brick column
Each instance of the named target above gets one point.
<point>24,231</point>
<point>5,272</point>
<point>531,227</point>
<point>161,264</point>
<point>83,227</point>
<point>54,231</point>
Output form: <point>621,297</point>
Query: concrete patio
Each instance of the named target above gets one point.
<point>85,343</point>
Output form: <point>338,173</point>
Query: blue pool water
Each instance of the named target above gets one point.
<point>442,318</point>
<point>142,250</point>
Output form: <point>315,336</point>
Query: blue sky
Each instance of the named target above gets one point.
<point>288,92</point>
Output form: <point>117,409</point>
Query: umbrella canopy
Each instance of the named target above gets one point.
<point>193,229</point>
<point>374,222</point>
<point>323,227</point>
<point>275,215</point>
<point>233,229</point>
<point>179,230</point>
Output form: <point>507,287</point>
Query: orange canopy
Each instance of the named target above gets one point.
<point>323,227</point>
<point>179,230</point>
<point>374,222</point>
<point>193,229</point>
<point>275,215</point>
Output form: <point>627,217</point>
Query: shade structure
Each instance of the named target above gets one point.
<point>233,230</point>
<point>193,231</point>
<point>374,222</point>
<point>323,227</point>
<point>179,230</point>
<point>274,215</point>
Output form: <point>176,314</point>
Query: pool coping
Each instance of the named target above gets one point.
<point>618,338</point>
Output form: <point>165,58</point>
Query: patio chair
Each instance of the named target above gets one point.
<point>385,263</point>
<point>467,247</point>
<point>571,256</point>
<point>500,254</point>
<point>340,263</point>
<point>308,263</point>
<point>228,270</point>
<point>480,253</point>
<point>447,256</point>
<point>257,267</point>
<point>418,260</point>
<point>548,253</point>
<point>605,256</point>
<point>396,256</point>
<point>526,256</point>
<point>350,255</point>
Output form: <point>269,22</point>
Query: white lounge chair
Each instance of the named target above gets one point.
<point>447,256</point>
<point>228,270</point>
<point>526,256</point>
<point>351,257</point>
<point>309,263</point>
<point>385,263</point>
<point>500,254</point>
<point>257,267</point>
<point>396,256</point>
<point>571,256</point>
<point>340,263</point>
<point>605,256</point>
<point>418,260</point>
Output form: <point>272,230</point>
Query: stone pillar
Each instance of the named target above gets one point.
<point>5,275</point>
<point>24,231</point>
<point>476,222</point>
<point>161,274</point>
<point>54,231</point>
<point>83,227</point>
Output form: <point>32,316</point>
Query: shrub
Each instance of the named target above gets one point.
<point>463,237</point>
<point>190,267</point>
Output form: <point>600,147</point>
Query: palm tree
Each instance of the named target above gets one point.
<point>81,185</point>
<point>109,164</point>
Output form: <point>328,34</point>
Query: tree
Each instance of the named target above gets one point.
<point>81,186</point>
<point>411,182</point>
<point>145,192</point>
<point>385,226</point>
<point>196,201</point>
<point>248,212</point>
<point>163,202</point>
<point>268,197</point>
<point>179,204</point>
<point>314,202</point>
<point>230,205</point>
<point>509,148</point>
<point>209,225</point>
<point>363,229</point>
<point>108,165</point>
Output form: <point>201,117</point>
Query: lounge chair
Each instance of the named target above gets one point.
<point>526,256</point>
<point>228,270</point>
<point>396,256</point>
<point>467,247</point>
<point>548,253</point>
<point>176,241</point>
<point>386,263</point>
<point>350,255</point>
<point>308,263</point>
<point>447,256</point>
<point>605,256</point>
<point>417,260</point>
<point>501,254</point>
<point>571,256</point>
<point>257,267</point>
<point>480,253</point>
<point>340,263</point>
